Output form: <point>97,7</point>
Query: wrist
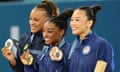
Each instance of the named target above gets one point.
<point>12,61</point>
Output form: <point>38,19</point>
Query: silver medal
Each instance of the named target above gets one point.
<point>9,44</point>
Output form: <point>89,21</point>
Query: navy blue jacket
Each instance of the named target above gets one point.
<point>47,65</point>
<point>34,47</point>
<point>88,51</point>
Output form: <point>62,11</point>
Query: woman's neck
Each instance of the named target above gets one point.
<point>56,43</point>
<point>83,35</point>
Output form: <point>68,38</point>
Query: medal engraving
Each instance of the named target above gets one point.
<point>57,54</point>
<point>29,59</point>
<point>9,44</point>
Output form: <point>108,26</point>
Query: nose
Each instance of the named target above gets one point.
<point>45,35</point>
<point>31,22</point>
<point>72,23</point>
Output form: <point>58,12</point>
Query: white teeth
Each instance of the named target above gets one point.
<point>47,39</point>
<point>74,28</point>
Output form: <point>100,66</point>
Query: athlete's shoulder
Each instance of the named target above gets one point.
<point>23,36</point>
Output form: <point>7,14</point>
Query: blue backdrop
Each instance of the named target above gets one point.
<point>107,25</point>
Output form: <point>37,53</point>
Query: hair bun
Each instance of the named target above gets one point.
<point>66,13</point>
<point>43,1</point>
<point>95,8</point>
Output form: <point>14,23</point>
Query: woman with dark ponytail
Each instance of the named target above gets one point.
<point>31,43</point>
<point>55,56</point>
<point>89,52</point>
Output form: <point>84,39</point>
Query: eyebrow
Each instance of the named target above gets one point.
<point>50,28</point>
<point>75,17</point>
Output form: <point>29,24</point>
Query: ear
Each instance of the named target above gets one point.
<point>62,32</point>
<point>90,23</point>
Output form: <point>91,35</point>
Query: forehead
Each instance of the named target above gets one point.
<point>49,24</point>
<point>38,11</point>
<point>78,13</point>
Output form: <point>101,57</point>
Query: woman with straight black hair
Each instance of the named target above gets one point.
<point>89,52</point>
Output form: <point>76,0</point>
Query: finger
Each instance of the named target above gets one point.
<point>23,56</point>
<point>52,57</point>
<point>53,49</point>
<point>61,55</point>
<point>52,52</point>
<point>28,51</point>
<point>5,51</point>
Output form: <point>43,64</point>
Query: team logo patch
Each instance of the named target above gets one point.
<point>86,50</point>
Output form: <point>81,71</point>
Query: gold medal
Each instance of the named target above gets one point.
<point>28,56</point>
<point>29,59</point>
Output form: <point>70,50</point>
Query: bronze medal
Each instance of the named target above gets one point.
<point>57,54</point>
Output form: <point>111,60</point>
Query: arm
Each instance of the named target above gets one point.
<point>14,62</point>
<point>105,57</point>
<point>18,67</point>
<point>100,66</point>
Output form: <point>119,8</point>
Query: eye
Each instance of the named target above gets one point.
<point>77,19</point>
<point>36,19</point>
<point>50,31</point>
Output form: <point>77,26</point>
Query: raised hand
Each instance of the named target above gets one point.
<point>8,54</point>
<point>26,58</point>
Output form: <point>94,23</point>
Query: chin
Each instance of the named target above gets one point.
<point>47,42</point>
<point>34,31</point>
<point>74,33</point>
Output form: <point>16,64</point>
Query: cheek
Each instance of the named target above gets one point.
<point>54,36</point>
<point>51,36</point>
<point>39,25</point>
<point>80,28</point>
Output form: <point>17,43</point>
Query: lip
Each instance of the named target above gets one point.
<point>74,28</point>
<point>46,39</point>
<point>33,27</point>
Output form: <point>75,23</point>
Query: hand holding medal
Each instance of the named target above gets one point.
<point>7,50</point>
<point>26,57</point>
<point>56,54</point>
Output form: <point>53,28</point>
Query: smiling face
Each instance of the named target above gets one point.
<point>79,22</point>
<point>52,34</point>
<point>37,19</point>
